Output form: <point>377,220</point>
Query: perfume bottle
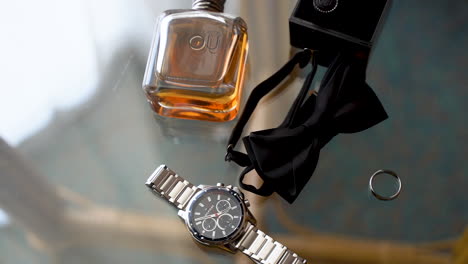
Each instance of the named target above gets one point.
<point>196,64</point>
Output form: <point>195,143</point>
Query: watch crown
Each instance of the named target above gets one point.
<point>220,184</point>
<point>247,203</point>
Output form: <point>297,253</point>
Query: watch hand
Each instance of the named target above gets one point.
<point>222,212</point>
<point>213,215</point>
<point>205,217</point>
<point>209,210</point>
<point>225,210</point>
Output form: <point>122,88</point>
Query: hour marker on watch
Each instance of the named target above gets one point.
<point>214,233</point>
<point>219,197</point>
<point>236,216</point>
<point>209,199</point>
<point>224,233</point>
<point>202,205</point>
<point>197,213</point>
<point>198,223</point>
<point>233,226</point>
<point>234,207</point>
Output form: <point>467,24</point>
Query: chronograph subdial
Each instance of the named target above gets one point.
<point>223,206</point>
<point>224,221</point>
<point>209,224</point>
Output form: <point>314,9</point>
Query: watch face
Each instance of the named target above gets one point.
<point>216,214</point>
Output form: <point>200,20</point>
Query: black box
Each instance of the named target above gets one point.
<point>330,26</point>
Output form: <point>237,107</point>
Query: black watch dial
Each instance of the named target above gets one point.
<point>216,214</point>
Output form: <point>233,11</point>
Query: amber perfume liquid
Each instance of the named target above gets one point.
<point>196,65</point>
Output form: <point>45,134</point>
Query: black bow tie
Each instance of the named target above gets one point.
<point>286,157</point>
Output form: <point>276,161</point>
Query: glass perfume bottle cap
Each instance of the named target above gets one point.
<point>209,5</point>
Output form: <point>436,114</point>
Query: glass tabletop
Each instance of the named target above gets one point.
<point>79,141</point>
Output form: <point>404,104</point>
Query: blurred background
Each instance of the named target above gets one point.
<point>82,140</point>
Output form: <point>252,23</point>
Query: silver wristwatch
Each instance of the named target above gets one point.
<point>218,216</point>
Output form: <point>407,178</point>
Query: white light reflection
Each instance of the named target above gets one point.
<point>48,63</point>
<point>4,219</point>
<point>51,54</point>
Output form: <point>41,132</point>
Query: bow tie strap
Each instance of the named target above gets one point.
<point>264,190</point>
<point>249,160</point>
<point>302,59</point>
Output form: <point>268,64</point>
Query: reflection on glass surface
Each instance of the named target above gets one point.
<point>186,131</point>
<point>4,218</point>
<point>55,41</point>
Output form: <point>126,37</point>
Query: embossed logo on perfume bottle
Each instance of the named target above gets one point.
<point>197,42</point>
<point>210,40</point>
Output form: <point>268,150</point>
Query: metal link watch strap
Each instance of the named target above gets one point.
<point>171,186</point>
<point>261,248</point>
